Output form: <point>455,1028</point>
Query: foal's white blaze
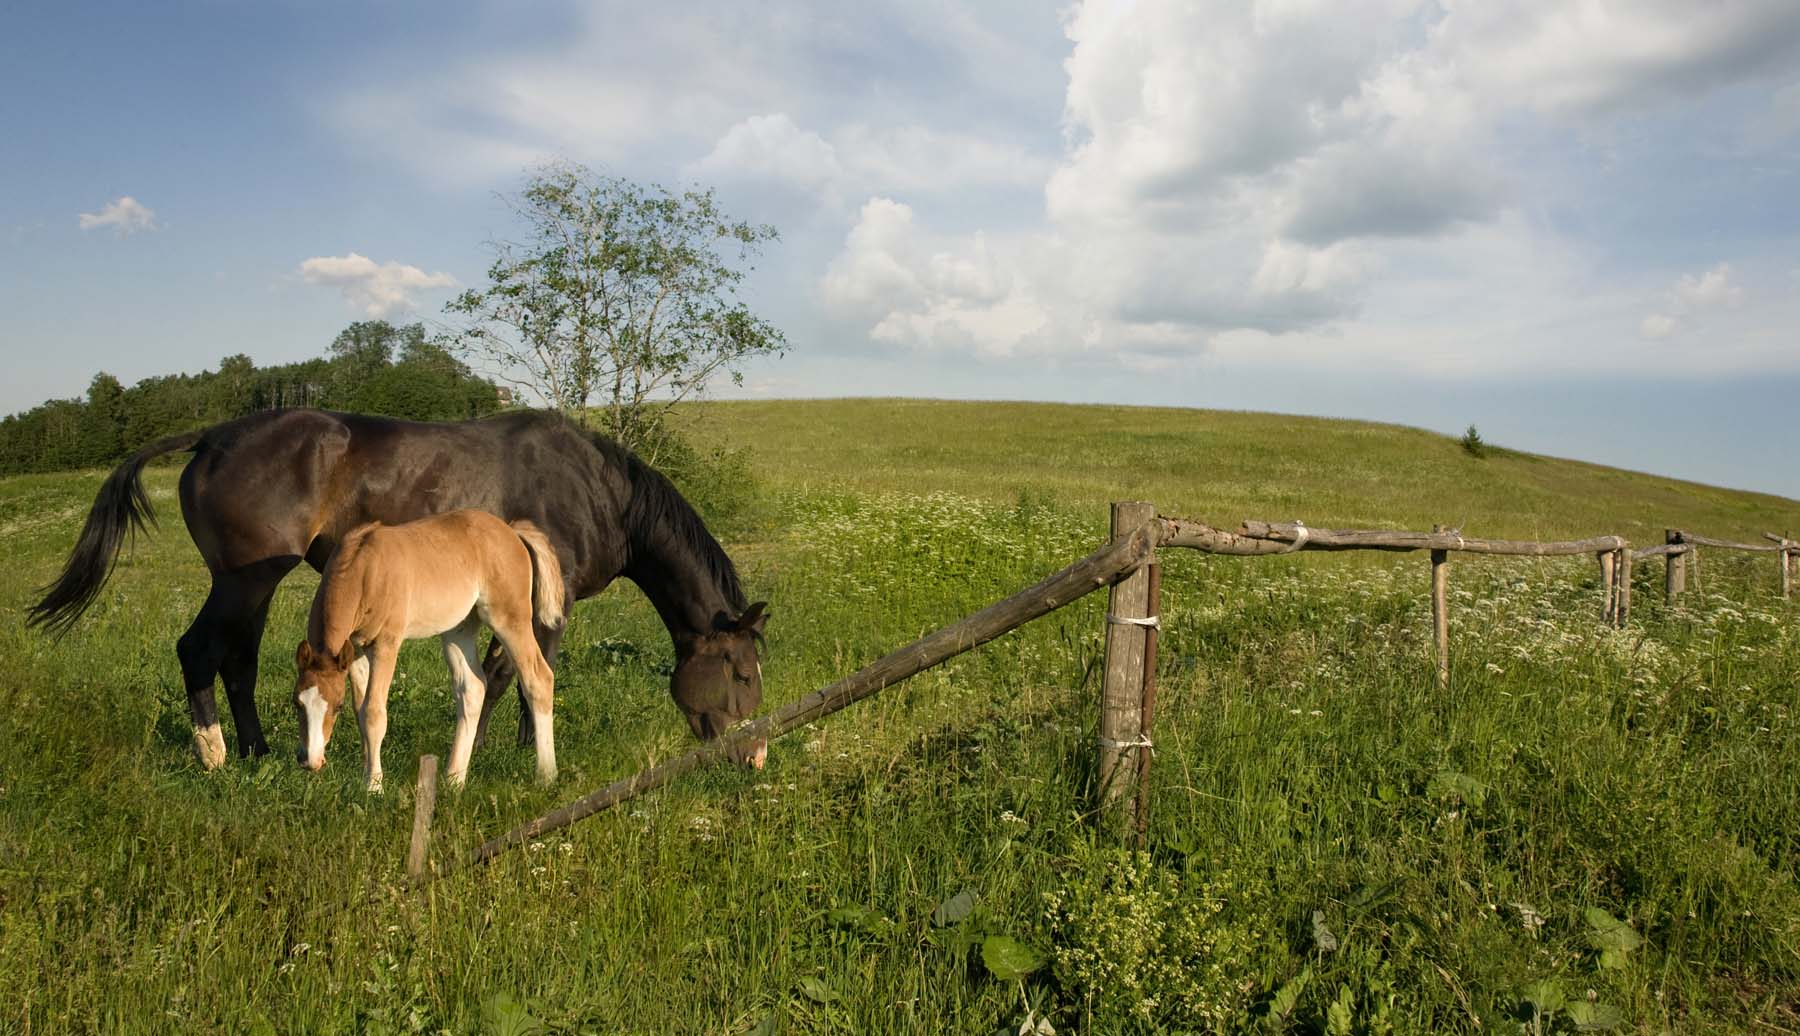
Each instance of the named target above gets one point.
<point>209,745</point>
<point>313,739</point>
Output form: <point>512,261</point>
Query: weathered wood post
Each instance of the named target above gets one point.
<point>1787,567</point>
<point>1609,588</point>
<point>1440,611</point>
<point>1675,574</point>
<point>1122,693</point>
<point>424,805</point>
<point>1623,570</point>
<point>1145,752</point>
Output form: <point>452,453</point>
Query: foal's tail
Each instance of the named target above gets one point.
<point>546,574</point>
<point>121,507</point>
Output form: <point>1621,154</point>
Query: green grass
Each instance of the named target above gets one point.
<point>1311,785</point>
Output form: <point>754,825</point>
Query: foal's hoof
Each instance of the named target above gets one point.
<point>209,745</point>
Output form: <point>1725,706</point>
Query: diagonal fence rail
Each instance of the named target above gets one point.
<point>1127,565</point>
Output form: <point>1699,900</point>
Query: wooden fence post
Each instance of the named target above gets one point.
<point>1122,692</point>
<point>1440,611</point>
<point>1145,752</point>
<point>1787,568</point>
<point>1675,575</point>
<point>424,804</point>
<point>1609,587</point>
<point>1623,570</point>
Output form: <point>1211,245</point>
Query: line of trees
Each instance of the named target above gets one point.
<point>372,367</point>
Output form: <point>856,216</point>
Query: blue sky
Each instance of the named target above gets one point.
<point>1572,224</point>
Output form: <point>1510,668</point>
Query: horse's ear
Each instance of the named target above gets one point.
<point>753,618</point>
<point>345,655</point>
<point>303,655</point>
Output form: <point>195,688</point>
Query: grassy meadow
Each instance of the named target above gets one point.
<point>1593,830</point>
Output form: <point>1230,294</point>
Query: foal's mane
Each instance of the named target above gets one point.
<point>661,523</point>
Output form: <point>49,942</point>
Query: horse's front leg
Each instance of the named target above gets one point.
<point>461,657</point>
<point>378,659</point>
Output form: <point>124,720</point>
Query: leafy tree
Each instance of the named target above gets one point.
<point>103,421</point>
<point>619,294</point>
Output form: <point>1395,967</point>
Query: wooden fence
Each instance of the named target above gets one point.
<point>1127,564</point>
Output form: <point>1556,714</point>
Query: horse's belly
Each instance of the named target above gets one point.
<point>440,612</point>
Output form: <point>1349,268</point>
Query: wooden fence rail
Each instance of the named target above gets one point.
<point>1126,563</point>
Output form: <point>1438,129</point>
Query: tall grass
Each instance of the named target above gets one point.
<point>1592,827</point>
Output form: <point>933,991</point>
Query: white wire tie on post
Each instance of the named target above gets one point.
<point>1151,621</point>
<point>1301,534</point>
<point>1141,741</point>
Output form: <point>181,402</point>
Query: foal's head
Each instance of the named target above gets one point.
<point>318,696</point>
<point>718,679</point>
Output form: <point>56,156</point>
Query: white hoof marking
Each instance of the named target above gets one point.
<point>209,745</point>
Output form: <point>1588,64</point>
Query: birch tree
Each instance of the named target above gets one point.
<point>619,299</point>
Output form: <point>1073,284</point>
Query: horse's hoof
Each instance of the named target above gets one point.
<point>209,745</point>
<point>375,786</point>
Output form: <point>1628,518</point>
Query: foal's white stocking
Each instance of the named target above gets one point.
<point>461,658</point>
<point>380,658</point>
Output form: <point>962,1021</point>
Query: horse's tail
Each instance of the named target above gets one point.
<point>121,507</point>
<point>546,574</point>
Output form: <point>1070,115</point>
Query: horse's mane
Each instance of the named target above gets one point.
<point>658,517</point>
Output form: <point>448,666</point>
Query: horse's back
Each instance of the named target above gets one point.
<point>292,483</point>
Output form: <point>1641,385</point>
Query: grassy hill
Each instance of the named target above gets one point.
<point>1593,827</point>
<point>1220,467</point>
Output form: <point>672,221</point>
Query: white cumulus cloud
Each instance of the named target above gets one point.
<point>1709,290</point>
<point>379,289</point>
<point>125,215</point>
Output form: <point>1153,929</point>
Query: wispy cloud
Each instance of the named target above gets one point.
<point>125,215</point>
<point>380,290</point>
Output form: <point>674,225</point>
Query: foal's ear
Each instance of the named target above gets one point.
<point>303,655</point>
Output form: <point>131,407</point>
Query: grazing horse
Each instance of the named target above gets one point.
<point>444,576</point>
<point>268,491</point>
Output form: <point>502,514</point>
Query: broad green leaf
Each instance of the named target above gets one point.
<point>1591,1017</point>
<point>503,1015</point>
<point>1544,994</point>
<point>954,909</point>
<point>1009,959</point>
<point>1450,784</point>
<point>816,990</point>
<point>1610,933</point>
<point>1340,1017</point>
<point>858,917</point>
<point>1281,1005</point>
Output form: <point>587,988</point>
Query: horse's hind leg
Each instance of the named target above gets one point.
<point>496,672</point>
<point>200,650</point>
<point>223,642</point>
<point>243,644</point>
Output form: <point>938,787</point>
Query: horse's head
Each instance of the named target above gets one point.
<point>718,679</point>
<point>318,696</point>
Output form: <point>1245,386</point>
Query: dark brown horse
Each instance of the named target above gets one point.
<point>266,492</point>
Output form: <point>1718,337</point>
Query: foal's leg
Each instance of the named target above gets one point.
<point>373,713</point>
<point>500,669</point>
<point>462,658</point>
<point>538,685</point>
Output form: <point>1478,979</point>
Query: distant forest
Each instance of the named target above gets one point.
<point>371,367</point>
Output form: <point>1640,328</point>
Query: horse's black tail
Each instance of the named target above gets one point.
<point>121,507</point>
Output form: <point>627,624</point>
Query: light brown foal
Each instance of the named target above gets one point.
<point>444,575</point>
